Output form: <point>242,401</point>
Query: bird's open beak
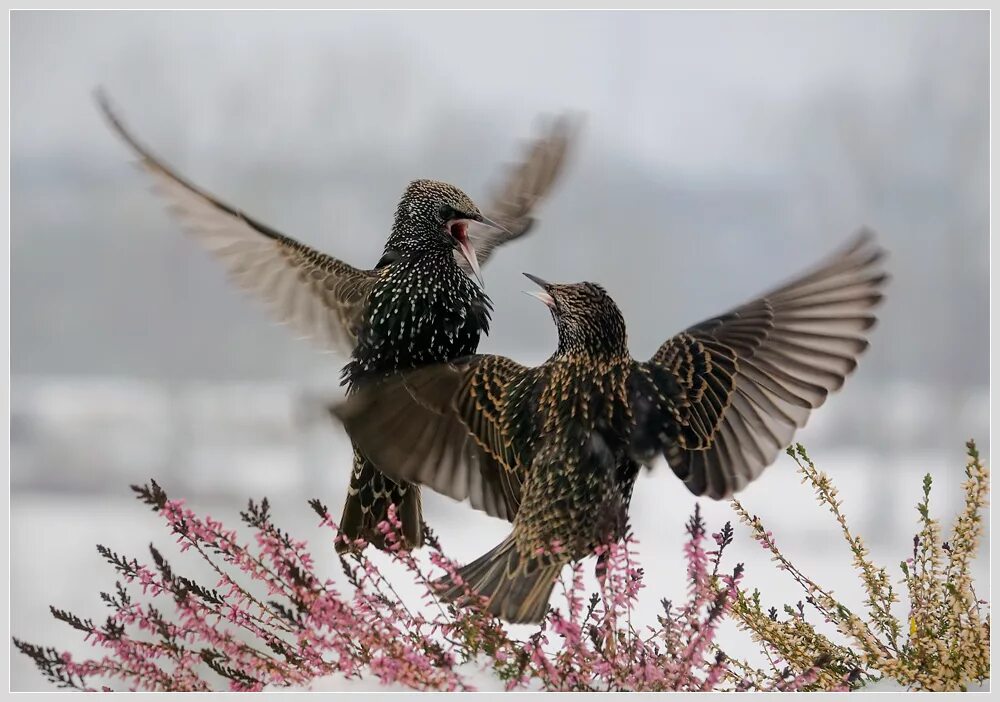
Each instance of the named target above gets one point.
<point>468,252</point>
<point>483,219</point>
<point>465,246</point>
<point>545,297</point>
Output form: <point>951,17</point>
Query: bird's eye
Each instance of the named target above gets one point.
<point>446,212</point>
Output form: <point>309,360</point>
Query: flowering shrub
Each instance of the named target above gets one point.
<point>271,620</point>
<point>944,643</point>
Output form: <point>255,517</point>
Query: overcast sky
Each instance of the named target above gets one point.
<point>721,153</point>
<point>697,91</point>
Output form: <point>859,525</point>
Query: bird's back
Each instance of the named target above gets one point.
<point>579,464</point>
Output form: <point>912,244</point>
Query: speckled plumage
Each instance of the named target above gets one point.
<point>556,449</point>
<point>417,306</point>
<point>421,306</point>
<point>421,309</point>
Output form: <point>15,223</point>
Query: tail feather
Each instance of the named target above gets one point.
<point>367,505</point>
<point>516,589</point>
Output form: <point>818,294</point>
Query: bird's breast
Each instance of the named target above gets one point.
<point>416,317</point>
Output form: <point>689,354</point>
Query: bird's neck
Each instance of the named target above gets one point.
<point>400,250</point>
<point>409,236</point>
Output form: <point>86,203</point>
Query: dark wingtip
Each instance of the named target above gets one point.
<point>568,125</point>
<point>100,96</point>
<point>340,412</point>
<point>867,238</point>
<point>104,104</point>
<point>528,226</point>
<point>564,126</point>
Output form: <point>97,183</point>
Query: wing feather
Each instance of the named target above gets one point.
<point>319,296</point>
<point>444,426</point>
<point>723,398</point>
<point>524,186</point>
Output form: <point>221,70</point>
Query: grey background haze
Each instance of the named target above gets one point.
<point>721,154</point>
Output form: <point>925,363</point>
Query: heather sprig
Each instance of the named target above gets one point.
<point>944,642</point>
<point>271,621</point>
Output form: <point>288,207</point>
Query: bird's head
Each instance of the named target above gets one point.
<point>587,320</point>
<point>432,214</point>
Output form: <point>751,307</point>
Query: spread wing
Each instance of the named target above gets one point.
<point>525,184</point>
<point>319,296</point>
<point>446,426</point>
<point>722,399</point>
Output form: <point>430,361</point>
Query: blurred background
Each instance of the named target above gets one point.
<point>721,154</point>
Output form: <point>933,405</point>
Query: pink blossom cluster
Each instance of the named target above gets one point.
<point>271,620</point>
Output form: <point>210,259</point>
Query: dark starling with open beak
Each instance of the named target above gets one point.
<point>556,449</point>
<point>418,305</point>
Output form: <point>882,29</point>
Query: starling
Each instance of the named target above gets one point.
<point>418,305</point>
<point>556,449</point>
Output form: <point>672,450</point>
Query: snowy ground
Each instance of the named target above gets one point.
<point>53,560</point>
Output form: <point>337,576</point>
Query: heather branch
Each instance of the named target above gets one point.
<point>590,644</point>
<point>833,611</point>
<point>947,642</point>
<point>878,587</point>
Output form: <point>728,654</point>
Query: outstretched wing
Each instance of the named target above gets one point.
<point>446,426</point>
<point>722,399</point>
<point>319,296</point>
<point>524,185</point>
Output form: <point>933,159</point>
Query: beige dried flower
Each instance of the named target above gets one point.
<point>943,645</point>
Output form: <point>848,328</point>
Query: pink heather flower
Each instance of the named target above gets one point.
<point>309,625</point>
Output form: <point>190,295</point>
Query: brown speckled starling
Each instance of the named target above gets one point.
<point>556,449</point>
<point>418,304</point>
